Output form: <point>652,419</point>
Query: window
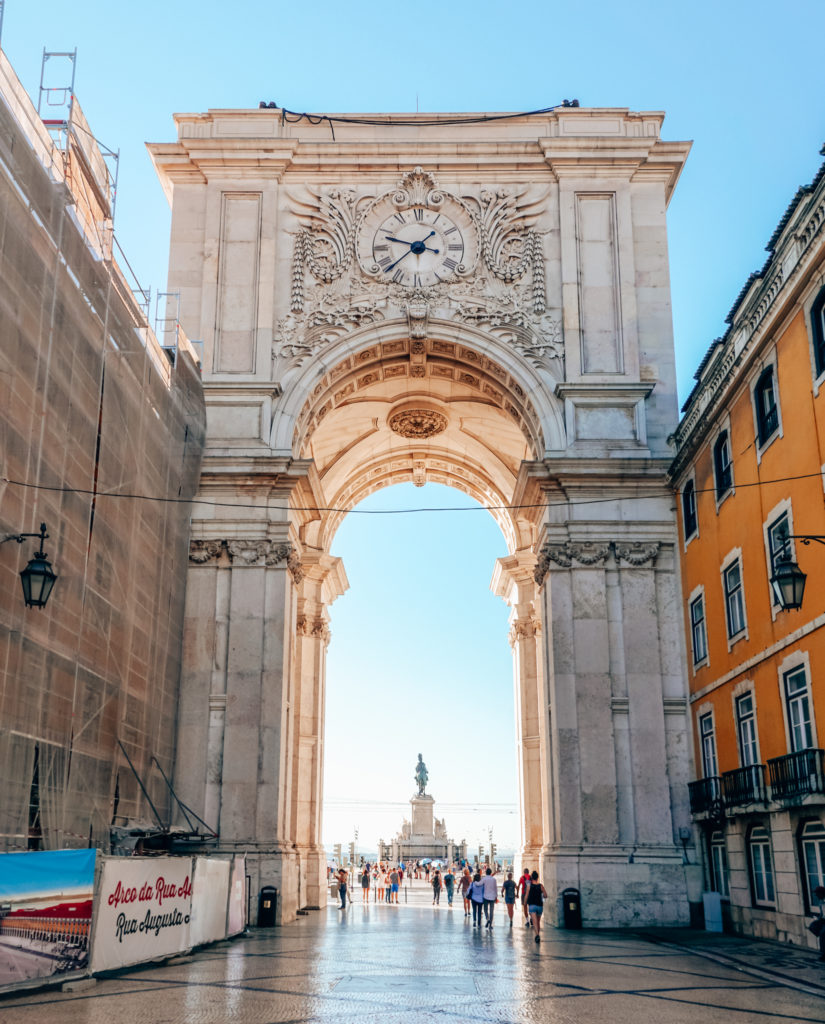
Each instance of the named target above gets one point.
<point>698,633</point>
<point>691,523</point>
<point>734,600</point>
<point>759,855</point>
<point>708,741</point>
<point>722,468</point>
<point>813,859</point>
<point>818,325</point>
<point>767,410</point>
<point>746,730</point>
<point>798,707</point>
<point>719,863</point>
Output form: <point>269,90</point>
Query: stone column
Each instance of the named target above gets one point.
<point>322,581</point>
<point>513,581</point>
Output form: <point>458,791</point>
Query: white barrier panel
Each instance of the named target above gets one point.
<point>210,894</point>
<point>143,910</point>
<point>236,911</point>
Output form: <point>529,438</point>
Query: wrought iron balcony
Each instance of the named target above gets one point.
<point>797,774</point>
<point>744,786</point>
<point>706,796</point>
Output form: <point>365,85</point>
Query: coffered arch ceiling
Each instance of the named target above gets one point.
<point>417,410</point>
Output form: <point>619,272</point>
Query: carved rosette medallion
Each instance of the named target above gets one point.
<point>418,424</point>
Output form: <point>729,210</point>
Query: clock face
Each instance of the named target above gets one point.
<point>417,247</point>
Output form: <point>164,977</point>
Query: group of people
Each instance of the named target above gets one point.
<point>479,891</point>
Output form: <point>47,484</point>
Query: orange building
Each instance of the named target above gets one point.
<point>749,473</point>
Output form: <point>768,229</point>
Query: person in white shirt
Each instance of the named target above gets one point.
<point>490,891</point>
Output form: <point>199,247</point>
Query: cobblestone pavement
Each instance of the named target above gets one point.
<point>413,965</point>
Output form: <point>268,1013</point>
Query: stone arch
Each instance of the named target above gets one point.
<point>499,374</point>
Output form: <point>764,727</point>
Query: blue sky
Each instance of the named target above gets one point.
<point>735,77</point>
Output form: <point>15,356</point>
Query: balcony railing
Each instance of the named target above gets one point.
<point>705,795</point>
<point>744,786</point>
<point>797,774</point>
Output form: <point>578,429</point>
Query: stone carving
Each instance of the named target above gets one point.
<point>417,423</point>
<point>637,554</point>
<point>317,629</point>
<point>439,828</point>
<point>524,629</point>
<point>294,566</point>
<point>421,776</point>
<point>265,552</point>
<point>592,553</point>
<point>203,551</point>
<point>502,291</point>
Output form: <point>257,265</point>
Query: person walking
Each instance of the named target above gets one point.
<point>449,883</point>
<point>436,884</point>
<point>365,885</point>
<point>536,895</point>
<point>342,888</point>
<point>508,893</point>
<point>380,882</point>
<point>464,884</point>
<point>394,886</point>
<point>476,897</point>
<point>489,890</point>
<point>521,891</point>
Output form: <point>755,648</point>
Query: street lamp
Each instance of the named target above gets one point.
<point>38,577</point>
<point>788,580</point>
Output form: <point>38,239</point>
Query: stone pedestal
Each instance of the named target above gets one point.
<point>422,816</point>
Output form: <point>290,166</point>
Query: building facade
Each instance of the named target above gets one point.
<point>476,300</point>
<point>749,476</point>
<point>92,409</point>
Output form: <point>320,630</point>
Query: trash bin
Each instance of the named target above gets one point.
<point>572,908</point>
<point>267,906</point>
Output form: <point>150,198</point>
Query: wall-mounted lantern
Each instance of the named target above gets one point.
<point>38,577</point>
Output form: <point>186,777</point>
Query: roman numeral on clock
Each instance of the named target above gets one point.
<point>449,264</point>
<point>456,247</point>
<point>384,262</point>
<point>419,214</point>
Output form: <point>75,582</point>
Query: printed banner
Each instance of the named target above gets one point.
<point>144,907</point>
<point>210,892</point>
<point>45,915</point>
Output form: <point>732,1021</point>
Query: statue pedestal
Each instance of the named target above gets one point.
<point>422,816</point>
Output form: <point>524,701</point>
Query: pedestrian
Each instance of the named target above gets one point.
<point>342,888</point>
<point>508,893</point>
<point>380,883</point>
<point>436,883</point>
<point>394,886</point>
<point>449,883</point>
<point>490,893</point>
<point>536,895</point>
<point>427,872</point>
<point>464,884</point>
<point>476,897</point>
<point>521,890</point>
<point>365,885</point>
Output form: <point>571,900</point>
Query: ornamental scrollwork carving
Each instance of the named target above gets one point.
<point>524,629</point>
<point>294,566</point>
<point>317,629</point>
<point>203,551</point>
<point>417,423</point>
<point>637,554</point>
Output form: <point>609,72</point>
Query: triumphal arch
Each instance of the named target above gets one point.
<point>477,300</point>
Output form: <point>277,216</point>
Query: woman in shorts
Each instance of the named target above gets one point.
<point>536,895</point>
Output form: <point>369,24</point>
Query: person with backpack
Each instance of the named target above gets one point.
<point>436,884</point>
<point>536,895</point>
<point>475,894</point>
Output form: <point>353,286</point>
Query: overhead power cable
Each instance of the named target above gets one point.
<point>386,511</point>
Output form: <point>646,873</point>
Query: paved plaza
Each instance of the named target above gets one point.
<point>417,963</point>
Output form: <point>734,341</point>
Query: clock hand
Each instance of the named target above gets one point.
<point>389,238</point>
<point>390,267</point>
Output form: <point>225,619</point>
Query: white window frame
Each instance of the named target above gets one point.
<point>689,537</point>
<point>706,715</point>
<point>782,508</point>
<point>734,556</point>
<point>719,864</point>
<point>796,661</point>
<point>724,427</point>
<point>765,859</point>
<point>698,594</point>
<point>814,290</point>
<point>812,842</point>
<point>738,721</point>
<point>768,363</point>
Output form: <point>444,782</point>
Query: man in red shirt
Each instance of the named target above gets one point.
<point>522,889</point>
